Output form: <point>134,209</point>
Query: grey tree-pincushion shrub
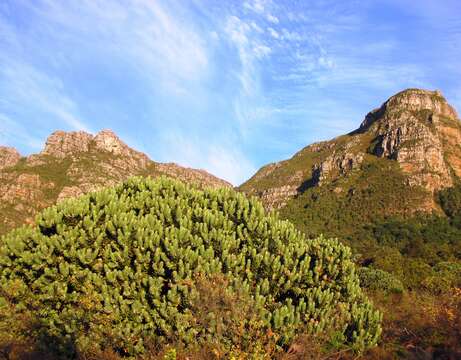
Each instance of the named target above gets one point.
<point>126,260</point>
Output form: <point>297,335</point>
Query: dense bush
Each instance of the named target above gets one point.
<point>450,201</point>
<point>407,247</point>
<point>119,269</point>
<point>376,279</point>
<point>445,277</point>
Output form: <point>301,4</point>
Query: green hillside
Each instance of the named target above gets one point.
<point>398,244</point>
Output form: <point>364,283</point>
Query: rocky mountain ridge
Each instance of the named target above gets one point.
<point>8,156</point>
<point>417,130</point>
<point>74,163</point>
<point>412,141</point>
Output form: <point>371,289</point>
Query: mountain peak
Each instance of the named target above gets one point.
<point>415,132</point>
<point>107,140</point>
<point>419,99</point>
<point>61,143</point>
<point>74,163</point>
<point>416,101</point>
<point>108,133</point>
<point>421,131</point>
<point>8,156</point>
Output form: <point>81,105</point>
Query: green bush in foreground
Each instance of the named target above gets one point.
<point>119,268</point>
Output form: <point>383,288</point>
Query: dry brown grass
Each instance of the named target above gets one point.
<point>419,326</point>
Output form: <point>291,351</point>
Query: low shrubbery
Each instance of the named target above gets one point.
<point>446,276</point>
<point>376,279</point>
<point>419,325</point>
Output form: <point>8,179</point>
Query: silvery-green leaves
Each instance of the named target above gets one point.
<point>135,250</point>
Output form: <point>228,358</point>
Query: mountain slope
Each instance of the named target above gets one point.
<point>73,163</point>
<point>401,155</point>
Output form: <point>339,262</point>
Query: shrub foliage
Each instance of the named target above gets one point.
<point>119,268</point>
<point>376,279</point>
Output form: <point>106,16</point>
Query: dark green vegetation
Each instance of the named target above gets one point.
<point>149,263</point>
<point>411,263</point>
<point>420,250</point>
<point>339,207</point>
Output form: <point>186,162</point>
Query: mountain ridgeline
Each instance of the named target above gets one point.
<point>390,189</point>
<point>413,140</point>
<point>72,164</point>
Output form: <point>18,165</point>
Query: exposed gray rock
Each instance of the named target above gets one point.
<point>277,197</point>
<point>106,140</point>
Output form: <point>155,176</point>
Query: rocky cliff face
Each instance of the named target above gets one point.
<point>71,164</point>
<point>8,157</point>
<point>417,130</point>
<point>61,144</point>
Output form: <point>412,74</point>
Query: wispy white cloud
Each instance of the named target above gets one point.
<point>257,6</point>
<point>256,27</point>
<point>169,45</point>
<point>261,51</point>
<point>326,62</point>
<point>238,33</point>
<point>291,35</point>
<point>250,105</point>
<point>273,19</point>
<point>143,32</point>
<point>273,33</point>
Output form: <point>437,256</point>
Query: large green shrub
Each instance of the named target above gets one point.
<point>118,268</point>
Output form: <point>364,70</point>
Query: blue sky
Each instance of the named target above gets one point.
<point>226,86</point>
